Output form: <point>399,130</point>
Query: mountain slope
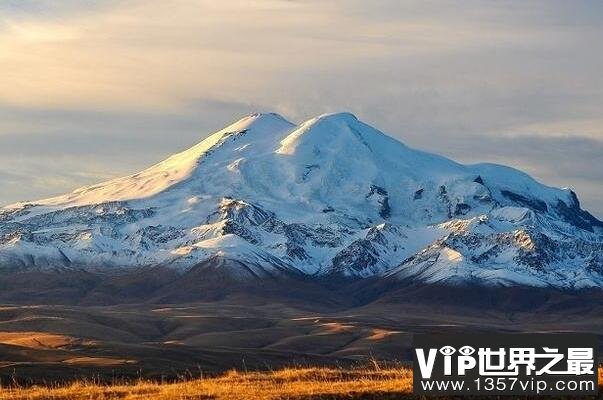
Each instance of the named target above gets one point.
<point>329,197</point>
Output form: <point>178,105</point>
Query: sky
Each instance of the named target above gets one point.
<point>91,90</point>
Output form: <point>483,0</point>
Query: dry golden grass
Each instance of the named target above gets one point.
<point>35,340</point>
<point>291,383</point>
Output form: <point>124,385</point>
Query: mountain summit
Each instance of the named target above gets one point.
<point>331,197</point>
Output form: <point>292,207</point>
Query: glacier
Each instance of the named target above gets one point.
<point>331,197</point>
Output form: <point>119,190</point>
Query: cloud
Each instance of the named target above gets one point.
<point>516,82</point>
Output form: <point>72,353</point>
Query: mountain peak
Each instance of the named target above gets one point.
<point>343,116</point>
<point>258,121</point>
<point>267,116</point>
<point>326,131</point>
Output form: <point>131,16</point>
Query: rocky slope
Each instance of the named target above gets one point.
<point>330,197</point>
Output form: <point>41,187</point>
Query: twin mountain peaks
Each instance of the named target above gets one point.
<point>331,198</point>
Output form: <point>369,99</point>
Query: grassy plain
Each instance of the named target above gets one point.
<point>303,383</point>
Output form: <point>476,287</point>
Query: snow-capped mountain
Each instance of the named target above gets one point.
<point>329,197</point>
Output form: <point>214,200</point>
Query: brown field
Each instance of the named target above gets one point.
<point>281,351</point>
<point>63,343</point>
<point>289,383</point>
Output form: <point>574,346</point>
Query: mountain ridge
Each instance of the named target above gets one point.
<point>329,197</point>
